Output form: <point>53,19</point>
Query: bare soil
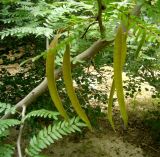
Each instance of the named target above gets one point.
<point>138,140</point>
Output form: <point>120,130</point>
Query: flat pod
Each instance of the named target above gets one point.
<point>50,69</point>
<point>119,59</point>
<point>70,89</point>
<point>110,103</point>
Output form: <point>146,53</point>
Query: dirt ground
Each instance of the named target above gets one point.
<point>137,140</point>
<point>97,145</point>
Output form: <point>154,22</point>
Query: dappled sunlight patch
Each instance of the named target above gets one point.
<point>93,145</point>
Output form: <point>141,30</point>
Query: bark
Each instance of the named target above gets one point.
<point>99,18</point>
<point>42,87</point>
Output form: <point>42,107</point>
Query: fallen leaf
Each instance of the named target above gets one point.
<point>13,69</point>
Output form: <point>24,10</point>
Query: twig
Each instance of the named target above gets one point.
<point>20,132</point>
<point>88,29</point>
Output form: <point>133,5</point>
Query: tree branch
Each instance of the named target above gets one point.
<point>42,87</point>
<point>99,18</point>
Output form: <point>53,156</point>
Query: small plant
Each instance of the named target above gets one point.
<point>46,136</point>
<point>52,133</point>
<point>6,150</point>
<point>152,121</point>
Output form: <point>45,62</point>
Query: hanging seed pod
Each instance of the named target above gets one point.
<point>50,69</point>
<point>120,49</point>
<point>110,103</point>
<point>70,89</point>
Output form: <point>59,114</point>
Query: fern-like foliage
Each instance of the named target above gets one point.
<point>52,133</point>
<point>43,113</point>
<point>4,134</point>
<point>4,106</point>
<point>26,18</point>
<point>6,123</point>
<point>6,150</point>
<point>64,14</point>
<point>22,31</point>
<point>42,18</point>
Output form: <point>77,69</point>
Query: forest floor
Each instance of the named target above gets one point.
<point>140,139</point>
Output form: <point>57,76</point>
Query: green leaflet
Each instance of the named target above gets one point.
<point>110,103</point>
<point>138,33</point>
<point>119,59</point>
<point>70,89</point>
<point>50,68</point>
<point>140,44</point>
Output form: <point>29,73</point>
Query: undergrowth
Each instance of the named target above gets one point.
<point>46,136</point>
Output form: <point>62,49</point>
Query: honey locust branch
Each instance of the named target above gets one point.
<point>42,87</point>
<point>88,54</point>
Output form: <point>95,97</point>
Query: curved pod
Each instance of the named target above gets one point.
<point>70,89</point>
<point>120,49</point>
<point>110,103</point>
<point>50,69</point>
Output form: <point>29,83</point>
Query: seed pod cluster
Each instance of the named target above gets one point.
<point>67,76</point>
<point>50,69</point>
